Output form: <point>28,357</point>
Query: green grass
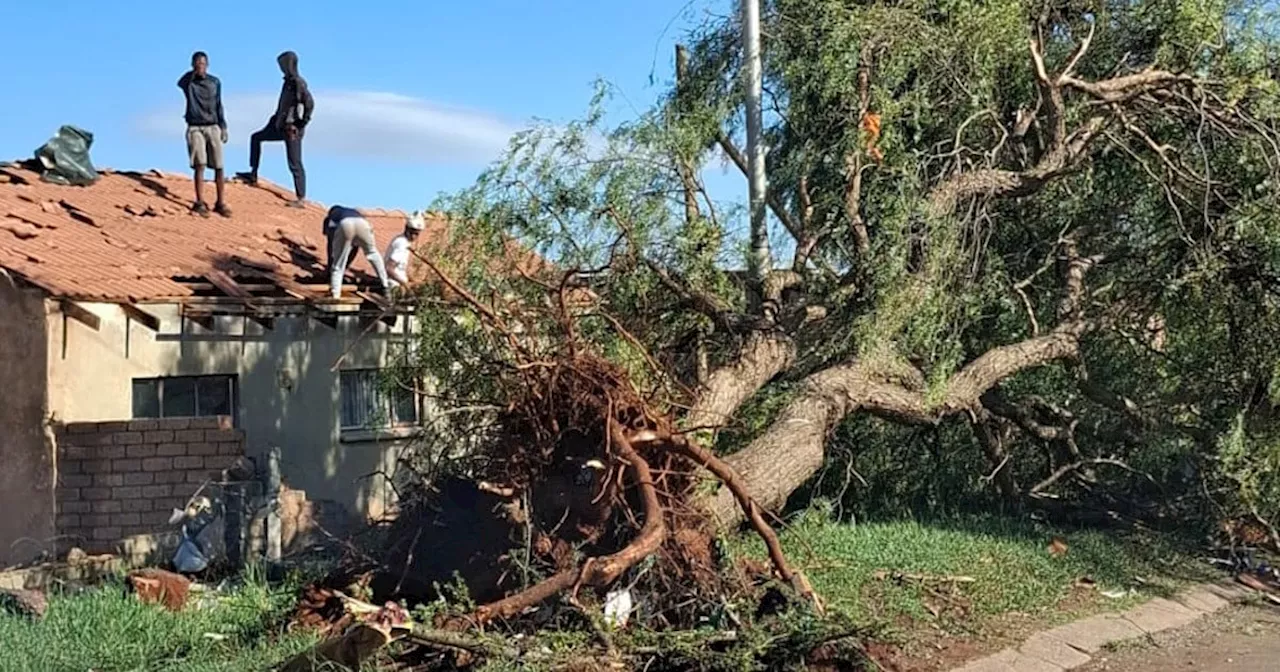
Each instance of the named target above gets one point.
<point>1009,560</point>
<point>105,630</point>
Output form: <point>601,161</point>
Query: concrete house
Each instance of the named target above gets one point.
<point>139,342</point>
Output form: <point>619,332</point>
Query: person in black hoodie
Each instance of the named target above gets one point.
<point>289,123</point>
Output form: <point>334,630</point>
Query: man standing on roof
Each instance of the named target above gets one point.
<point>346,229</point>
<point>293,113</point>
<point>206,130</point>
<point>401,247</point>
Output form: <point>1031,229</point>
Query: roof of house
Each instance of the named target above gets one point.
<point>130,237</point>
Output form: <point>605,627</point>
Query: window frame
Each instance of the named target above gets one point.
<point>389,420</point>
<point>233,392</point>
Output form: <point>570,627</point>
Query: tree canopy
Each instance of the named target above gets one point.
<point>1030,245</point>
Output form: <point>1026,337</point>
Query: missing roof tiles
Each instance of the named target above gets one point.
<point>254,264</point>
<point>12,178</point>
<point>78,214</point>
<point>148,235</point>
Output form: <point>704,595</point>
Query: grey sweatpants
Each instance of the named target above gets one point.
<point>352,232</point>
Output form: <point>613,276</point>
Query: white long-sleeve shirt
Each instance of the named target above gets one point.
<point>398,261</point>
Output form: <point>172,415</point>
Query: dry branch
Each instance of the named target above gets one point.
<point>1065,470</point>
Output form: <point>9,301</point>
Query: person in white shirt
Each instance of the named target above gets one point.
<point>399,251</point>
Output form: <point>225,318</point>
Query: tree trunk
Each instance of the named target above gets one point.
<point>765,353</point>
<point>792,449</point>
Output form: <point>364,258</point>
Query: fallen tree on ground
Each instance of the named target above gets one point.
<point>1032,249</point>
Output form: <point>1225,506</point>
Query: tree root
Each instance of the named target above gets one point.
<point>599,571</point>
<point>721,470</point>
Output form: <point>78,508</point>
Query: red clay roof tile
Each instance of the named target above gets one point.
<point>130,236</point>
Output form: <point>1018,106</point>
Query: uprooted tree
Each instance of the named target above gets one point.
<point>1040,235</point>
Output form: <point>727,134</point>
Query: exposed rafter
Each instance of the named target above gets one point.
<point>80,314</point>
<point>141,316</point>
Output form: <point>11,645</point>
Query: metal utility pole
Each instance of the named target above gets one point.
<point>760,255</point>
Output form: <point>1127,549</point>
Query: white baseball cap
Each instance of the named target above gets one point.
<point>416,221</point>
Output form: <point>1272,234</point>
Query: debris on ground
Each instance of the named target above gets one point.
<point>158,586</point>
<point>190,557</point>
<point>360,642</point>
<point>1265,589</point>
<point>29,603</point>
<point>903,577</point>
<point>617,607</point>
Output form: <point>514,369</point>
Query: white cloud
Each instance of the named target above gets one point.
<point>364,124</point>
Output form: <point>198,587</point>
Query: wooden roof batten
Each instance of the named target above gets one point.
<point>310,300</point>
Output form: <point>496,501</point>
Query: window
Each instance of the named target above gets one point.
<point>368,401</point>
<point>184,396</point>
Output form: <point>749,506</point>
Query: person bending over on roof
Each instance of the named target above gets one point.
<point>346,229</point>
<point>400,249</point>
<point>206,130</point>
<point>293,113</point>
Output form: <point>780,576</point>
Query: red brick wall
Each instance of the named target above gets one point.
<point>124,478</point>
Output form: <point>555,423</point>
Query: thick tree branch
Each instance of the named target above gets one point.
<point>998,183</point>
<point>1023,417</point>
<point>792,449</point>
<point>764,354</point>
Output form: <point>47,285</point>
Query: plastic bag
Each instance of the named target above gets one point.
<point>65,158</point>
<point>189,558</point>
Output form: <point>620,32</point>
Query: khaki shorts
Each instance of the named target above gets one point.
<point>204,146</point>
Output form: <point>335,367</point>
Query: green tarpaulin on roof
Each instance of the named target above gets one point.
<point>65,157</point>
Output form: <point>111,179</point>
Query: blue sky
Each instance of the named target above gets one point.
<point>413,98</point>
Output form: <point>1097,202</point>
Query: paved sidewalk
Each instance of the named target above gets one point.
<point>1238,639</point>
<point>1073,645</point>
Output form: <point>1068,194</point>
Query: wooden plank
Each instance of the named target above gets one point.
<point>226,284</point>
<point>234,301</point>
<point>248,287</point>
<point>288,286</point>
<point>80,314</point>
<point>146,319</point>
<point>203,318</point>
<point>375,299</point>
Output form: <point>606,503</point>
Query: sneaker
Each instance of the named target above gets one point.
<point>222,209</point>
<point>200,208</point>
<point>249,178</point>
<point>296,203</point>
